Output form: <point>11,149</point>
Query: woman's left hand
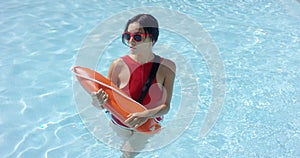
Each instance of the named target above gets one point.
<point>136,119</point>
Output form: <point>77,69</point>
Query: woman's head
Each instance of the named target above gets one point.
<point>148,25</point>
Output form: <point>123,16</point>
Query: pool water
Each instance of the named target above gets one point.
<point>258,42</point>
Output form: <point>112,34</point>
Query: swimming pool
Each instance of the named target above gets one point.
<point>258,42</point>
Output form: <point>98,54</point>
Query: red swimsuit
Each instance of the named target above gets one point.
<point>139,75</point>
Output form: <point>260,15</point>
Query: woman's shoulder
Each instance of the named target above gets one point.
<point>117,64</point>
<point>168,64</point>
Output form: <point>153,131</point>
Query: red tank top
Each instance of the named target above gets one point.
<point>139,74</point>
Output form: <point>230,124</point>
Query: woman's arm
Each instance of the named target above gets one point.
<point>114,71</point>
<point>100,98</point>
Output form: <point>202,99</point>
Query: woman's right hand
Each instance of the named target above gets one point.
<point>99,98</point>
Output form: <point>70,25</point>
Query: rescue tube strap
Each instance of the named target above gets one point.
<point>147,84</point>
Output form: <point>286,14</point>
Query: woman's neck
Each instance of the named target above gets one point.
<point>143,57</point>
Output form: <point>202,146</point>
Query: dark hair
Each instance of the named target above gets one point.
<point>148,23</point>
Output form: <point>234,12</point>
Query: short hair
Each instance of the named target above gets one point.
<point>148,23</point>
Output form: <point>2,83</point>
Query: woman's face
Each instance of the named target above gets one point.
<point>137,47</point>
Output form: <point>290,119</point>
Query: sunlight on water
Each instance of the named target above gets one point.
<point>258,42</point>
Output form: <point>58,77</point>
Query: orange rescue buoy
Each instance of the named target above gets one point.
<point>119,104</point>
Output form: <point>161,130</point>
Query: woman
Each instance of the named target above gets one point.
<point>130,73</point>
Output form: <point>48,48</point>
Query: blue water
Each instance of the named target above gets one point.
<point>258,42</point>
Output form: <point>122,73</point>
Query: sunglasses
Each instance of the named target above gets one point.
<point>136,37</point>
